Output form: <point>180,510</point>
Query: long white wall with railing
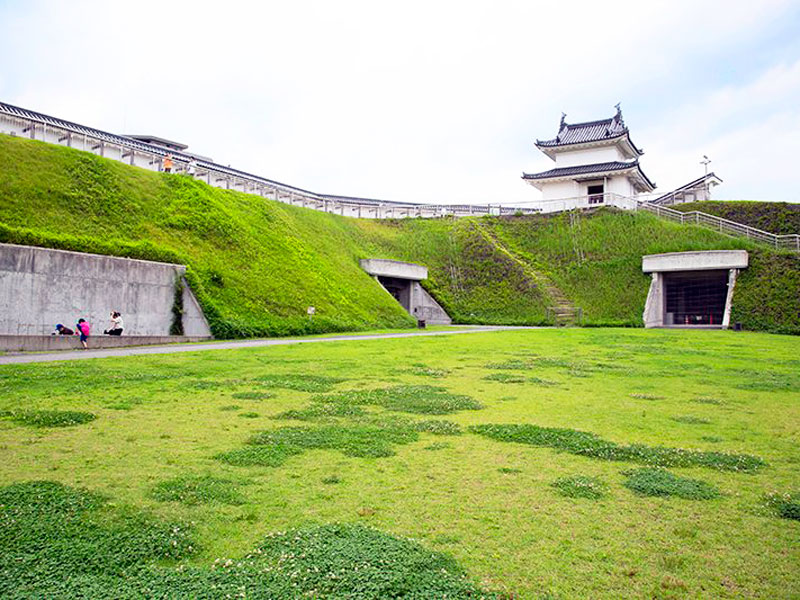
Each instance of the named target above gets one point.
<point>21,122</point>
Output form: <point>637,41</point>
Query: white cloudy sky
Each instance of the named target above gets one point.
<point>436,101</point>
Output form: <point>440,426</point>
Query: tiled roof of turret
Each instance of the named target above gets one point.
<point>589,170</point>
<point>581,170</point>
<point>589,131</point>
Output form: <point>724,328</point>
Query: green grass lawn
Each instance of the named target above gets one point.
<point>573,463</point>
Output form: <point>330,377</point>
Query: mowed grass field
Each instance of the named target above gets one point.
<point>390,439</point>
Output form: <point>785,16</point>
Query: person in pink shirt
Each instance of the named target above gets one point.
<point>83,329</point>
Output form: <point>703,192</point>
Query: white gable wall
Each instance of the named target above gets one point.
<point>557,190</point>
<point>589,156</point>
<point>620,185</point>
<point>561,189</point>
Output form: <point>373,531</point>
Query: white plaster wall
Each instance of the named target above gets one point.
<point>12,127</point>
<point>588,157</point>
<point>560,189</point>
<point>620,185</point>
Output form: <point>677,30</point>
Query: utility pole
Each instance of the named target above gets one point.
<point>705,163</point>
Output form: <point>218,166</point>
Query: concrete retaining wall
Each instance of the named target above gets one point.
<point>48,343</point>
<point>40,287</point>
<point>425,307</point>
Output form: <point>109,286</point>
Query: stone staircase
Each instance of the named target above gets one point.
<point>563,312</point>
<point>564,315</point>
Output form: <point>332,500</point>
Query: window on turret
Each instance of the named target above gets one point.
<point>595,193</point>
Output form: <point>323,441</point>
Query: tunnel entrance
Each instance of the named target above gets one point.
<point>402,281</point>
<point>400,289</point>
<point>695,298</point>
<point>692,289</point>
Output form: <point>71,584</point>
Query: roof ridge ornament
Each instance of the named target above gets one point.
<point>562,127</point>
<point>618,116</point>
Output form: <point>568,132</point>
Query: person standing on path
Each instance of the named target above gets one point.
<point>84,329</point>
<point>168,163</point>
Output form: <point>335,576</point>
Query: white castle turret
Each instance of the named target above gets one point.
<point>594,160</point>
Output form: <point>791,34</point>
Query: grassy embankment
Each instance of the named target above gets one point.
<point>781,218</point>
<point>256,265</point>
<point>580,463</point>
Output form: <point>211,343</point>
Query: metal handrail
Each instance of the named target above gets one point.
<point>785,242</point>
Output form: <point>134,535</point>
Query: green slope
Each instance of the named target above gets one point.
<point>782,218</point>
<point>256,265</point>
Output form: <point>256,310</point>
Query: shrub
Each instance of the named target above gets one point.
<point>658,482</point>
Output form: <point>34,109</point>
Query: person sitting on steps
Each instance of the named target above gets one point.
<point>116,324</point>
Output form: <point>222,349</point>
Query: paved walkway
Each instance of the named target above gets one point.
<point>205,346</point>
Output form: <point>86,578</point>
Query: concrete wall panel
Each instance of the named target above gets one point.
<point>40,287</point>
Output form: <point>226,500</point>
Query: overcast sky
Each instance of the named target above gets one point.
<point>423,101</point>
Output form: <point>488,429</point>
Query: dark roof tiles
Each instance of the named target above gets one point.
<point>581,133</point>
<point>588,132</point>
<point>581,170</point>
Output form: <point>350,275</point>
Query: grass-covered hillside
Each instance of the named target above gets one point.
<point>256,265</point>
<point>782,218</point>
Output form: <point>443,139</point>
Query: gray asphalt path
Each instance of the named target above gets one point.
<point>230,345</point>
